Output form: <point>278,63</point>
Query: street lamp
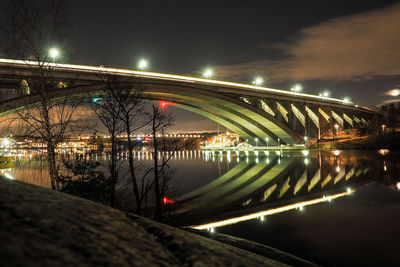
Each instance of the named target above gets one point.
<point>266,140</point>
<point>208,73</point>
<point>142,64</point>
<point>337,128</point>
<point>258,81</point>
<point>54,53</point>
<point>297,88</point>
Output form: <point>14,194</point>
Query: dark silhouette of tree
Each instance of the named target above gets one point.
<point>30,28</point>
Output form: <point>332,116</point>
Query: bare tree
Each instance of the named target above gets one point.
<point>108,112</point>
<point>29,29</point>
<point>123,107</point>
<point>159,123</point>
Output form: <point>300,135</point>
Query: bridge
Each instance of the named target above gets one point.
<point>259,114</point>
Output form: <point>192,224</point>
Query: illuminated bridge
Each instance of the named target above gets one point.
<point>255,113</point>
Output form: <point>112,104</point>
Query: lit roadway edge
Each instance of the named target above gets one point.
<point>270,211</point>
<point>170,77</point>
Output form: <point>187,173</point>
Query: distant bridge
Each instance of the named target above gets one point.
<point>255,113</point>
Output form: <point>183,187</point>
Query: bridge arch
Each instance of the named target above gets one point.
<point>239,117</point>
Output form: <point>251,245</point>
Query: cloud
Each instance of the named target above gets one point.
<point>357,47</point>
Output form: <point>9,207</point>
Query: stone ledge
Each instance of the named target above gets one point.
<point>42,227</point>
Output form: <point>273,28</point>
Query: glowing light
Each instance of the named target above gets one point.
<point>256,215</point>
<point>6,142</point>
<point>346,100</point>
<point>338,169</point>
<point>394,92</point>
<point>301,208</point>
<point>337,127</point>
<point>398,186</point>
<point>208,73</point>
<point>336,152</point>
<point>305,152</point>
<point>163,104</point>
<point>53,53</point>
<point>262,218</point>
<point>326,94</point>
<point>96,99</point>
<point>297,88</point>
<point>167,201</point>
<point>258,81</point>
<point>306,161</point>
<point>142,64</point>
<point>349,190</point>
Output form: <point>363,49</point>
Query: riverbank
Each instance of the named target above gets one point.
<point>42,227</point>
<point>389,141</point>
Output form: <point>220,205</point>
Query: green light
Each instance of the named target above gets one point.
<point>96,99</point>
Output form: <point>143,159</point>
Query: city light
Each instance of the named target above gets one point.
<point>258,81</point>
<point>96,99</point>
<point>208,73</point>
<point>53,53</point>
<point>337,127</point>
<point>6,142</point>
<point>142,64</point>
<point>163,104</point>
<point>346,100</point>
<point>395,92</point>
<point>297,88</point>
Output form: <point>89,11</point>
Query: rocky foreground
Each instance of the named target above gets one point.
<point>40,227</point>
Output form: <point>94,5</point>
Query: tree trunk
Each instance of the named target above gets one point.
<point>157,192</point>
<point>132,169</point>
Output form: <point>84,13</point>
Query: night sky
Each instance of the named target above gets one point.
<point>351,48</point>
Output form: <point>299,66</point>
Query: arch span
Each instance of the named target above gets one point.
<point>239,117</point>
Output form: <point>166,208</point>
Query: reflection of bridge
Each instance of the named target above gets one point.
<point>250,111</point>
<point>269,181</point>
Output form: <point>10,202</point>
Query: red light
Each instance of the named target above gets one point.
<point>163,104</point>
<point>167,201</point>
